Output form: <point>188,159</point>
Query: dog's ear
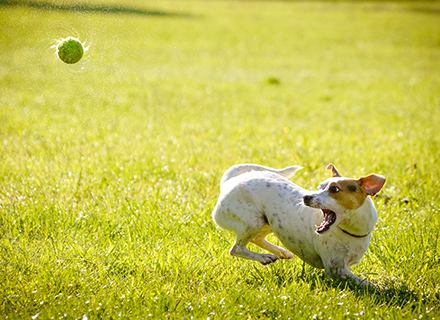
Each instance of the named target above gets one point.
<point>372,183</point>
<point>335,172</point>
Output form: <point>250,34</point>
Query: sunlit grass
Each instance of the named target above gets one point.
<point>109,169</point>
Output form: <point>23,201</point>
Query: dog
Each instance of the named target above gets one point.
<point>329,229</point>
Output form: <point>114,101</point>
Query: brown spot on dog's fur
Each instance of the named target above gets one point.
<point>350,195</point>
<point>352,192</point>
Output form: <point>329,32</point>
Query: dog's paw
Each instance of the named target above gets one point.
<point>284,254</point>
<point>268,258</point>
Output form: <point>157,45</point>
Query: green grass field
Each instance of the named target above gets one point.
<point>110,169</point>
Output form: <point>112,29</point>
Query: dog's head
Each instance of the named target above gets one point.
<point>339,195</point>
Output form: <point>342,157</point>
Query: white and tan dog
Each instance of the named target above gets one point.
<point>330,228</point>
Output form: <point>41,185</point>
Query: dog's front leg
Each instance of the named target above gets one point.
<point>346,274</point>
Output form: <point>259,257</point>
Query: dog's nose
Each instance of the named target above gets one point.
<point>307,199</point>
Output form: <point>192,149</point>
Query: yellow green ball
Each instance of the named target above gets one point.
<point>70,50</point>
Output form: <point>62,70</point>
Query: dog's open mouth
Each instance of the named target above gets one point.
<point>329,219</point>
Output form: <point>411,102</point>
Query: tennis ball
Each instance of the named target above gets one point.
<point>70,50</point>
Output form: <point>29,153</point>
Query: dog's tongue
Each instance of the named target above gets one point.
<point>329,219</point>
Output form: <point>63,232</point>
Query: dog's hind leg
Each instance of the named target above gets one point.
<point>260,241</point>
<point>244,234</point>
<point>238,213</point>
<point>240,250</point>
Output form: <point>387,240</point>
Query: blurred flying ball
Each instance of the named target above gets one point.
<point>70,50</point>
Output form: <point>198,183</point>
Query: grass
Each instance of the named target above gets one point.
<point>110,168</point>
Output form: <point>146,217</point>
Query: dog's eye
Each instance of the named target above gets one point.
<point>334,189</point>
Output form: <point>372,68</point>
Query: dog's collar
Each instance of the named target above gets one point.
<point>354,235</point>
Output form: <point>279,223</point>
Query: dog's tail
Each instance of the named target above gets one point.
<point>243,168</point>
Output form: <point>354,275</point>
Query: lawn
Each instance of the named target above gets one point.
<point>110,168</point>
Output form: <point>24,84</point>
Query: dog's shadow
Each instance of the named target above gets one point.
<point>392,295</point>
<point>90,8</point>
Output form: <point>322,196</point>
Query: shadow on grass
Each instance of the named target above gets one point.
<point>84,8</point>
<point>399,296</point>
